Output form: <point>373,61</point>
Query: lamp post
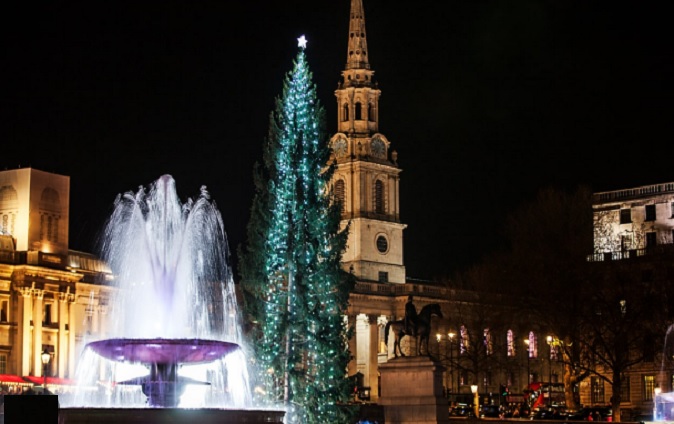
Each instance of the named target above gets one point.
<point>549,340</point>
<point>476,400</point>
<point>526,342</point>
<point>450,337</point>
<point>438,337</point>
<point>45,361</point>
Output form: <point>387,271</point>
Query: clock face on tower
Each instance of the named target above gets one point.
<point>339,147</point>
<point>378,147</point>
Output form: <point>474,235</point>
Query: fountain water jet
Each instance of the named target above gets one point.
<point>174,306</point>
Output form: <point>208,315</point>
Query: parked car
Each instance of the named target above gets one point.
<point>550,413</point>
<point>598,413</point>
<point>461,410</point>
<point>490,411</point>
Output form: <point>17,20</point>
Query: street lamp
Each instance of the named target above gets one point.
<point>45,361</point>
<point>438,337</point>
<point>450,336</point>
<point>549,339</point>
<point>476,400</point>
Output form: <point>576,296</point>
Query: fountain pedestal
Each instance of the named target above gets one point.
<point>167,415</point>
<point>412,391</point>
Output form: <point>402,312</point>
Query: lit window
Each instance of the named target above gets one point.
<point>533,345</point>
<point>488,342</point>
<point>648,387</point>
<point>465,340</point>
<point>3,363</point>
<point>511,343</point>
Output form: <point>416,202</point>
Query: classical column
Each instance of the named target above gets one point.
<point>352,368</point>
<point>23,332</point>
<point>62,347</point>
<point>373,358</point>
<point>102,320</point>
<point>71,335</point>
<point>38,295</point>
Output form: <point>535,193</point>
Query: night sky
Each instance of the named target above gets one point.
<point>486,102</point>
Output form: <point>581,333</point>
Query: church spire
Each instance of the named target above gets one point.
<point>357,54</point>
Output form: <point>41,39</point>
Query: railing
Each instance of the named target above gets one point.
<point>608,196</point>
<point>619,255</point>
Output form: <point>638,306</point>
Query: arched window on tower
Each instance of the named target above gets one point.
<point>379,197</point>
<point>464,341</point>
<point>345,112</point>
<point>340,195</point>
<point>533,345</point>
<point>370,112</point>
<point>510,342</point>
<point>359,111</point>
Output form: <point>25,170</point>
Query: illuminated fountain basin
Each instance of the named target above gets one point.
<point>163,386</point>
<point>173,323</point>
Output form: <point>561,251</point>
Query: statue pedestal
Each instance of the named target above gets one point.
<point>411,391</point>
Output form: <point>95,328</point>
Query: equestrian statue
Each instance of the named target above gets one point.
<point>413,325</point>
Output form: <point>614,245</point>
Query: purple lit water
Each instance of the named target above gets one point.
<point>173,323</point>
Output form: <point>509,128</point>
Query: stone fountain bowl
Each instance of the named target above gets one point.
<point>159,350</point>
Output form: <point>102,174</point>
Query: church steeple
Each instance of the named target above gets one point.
<point>366,180</point>
<point>357,54</point>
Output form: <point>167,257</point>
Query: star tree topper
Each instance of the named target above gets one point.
<point>302,42</point>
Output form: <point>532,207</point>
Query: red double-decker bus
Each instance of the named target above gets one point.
<point>546,394</point>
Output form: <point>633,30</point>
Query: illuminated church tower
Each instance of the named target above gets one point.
<point>367,176</point>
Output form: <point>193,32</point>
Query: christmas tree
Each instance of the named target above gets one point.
<point>295,291</point>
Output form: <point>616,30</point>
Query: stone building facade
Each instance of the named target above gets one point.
<point>51,298</point>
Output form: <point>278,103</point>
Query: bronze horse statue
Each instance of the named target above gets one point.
<point>423,329</point>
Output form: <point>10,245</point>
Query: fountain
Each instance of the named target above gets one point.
<point>173,326</point>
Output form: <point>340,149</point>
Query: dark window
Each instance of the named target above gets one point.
<point>650,212</point>
<point>647,275</point>
<point>359,112</point>
<point>340,195</point>
<point>382,244</point>
<point>370,112</point>
<point>625,216</point>
<point>625,389</point>
<point>346,112</point>
<point>651,239</point>
<point>379,197</point>
<point>383,277</point>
